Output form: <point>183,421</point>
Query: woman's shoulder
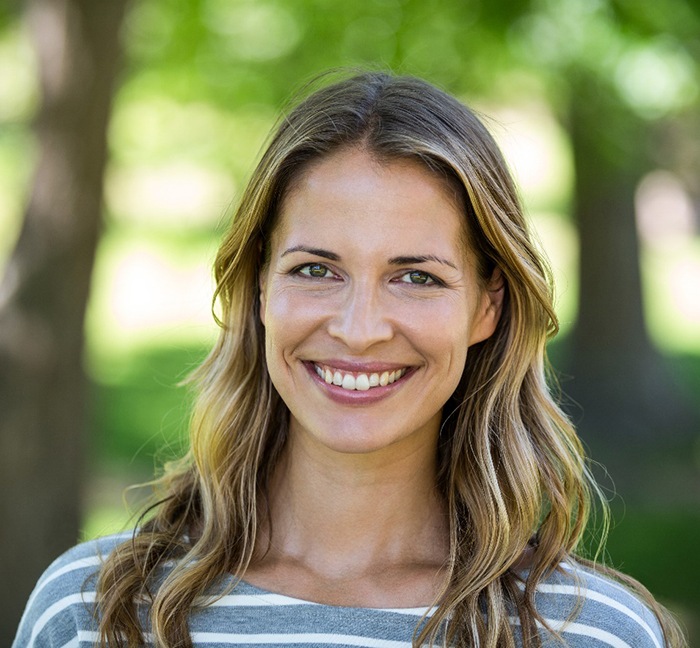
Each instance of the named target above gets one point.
<point>96,550</point>
<point>589,607</point>
<point>62,603</point>
<point>73,570</point>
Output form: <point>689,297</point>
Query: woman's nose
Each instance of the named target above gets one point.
<point>362,319</point>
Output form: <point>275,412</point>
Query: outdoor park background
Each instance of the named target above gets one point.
<point>596,104</point>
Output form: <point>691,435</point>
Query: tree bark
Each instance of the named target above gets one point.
<point>625,400</point>
<point>44,292</point>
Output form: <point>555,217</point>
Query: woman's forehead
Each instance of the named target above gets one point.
<point>356,174</point>
<point>352,201</point>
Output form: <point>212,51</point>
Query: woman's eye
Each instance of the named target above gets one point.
<point>314,270</point>
<point>417,277</point>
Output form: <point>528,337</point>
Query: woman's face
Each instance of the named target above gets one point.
<point>370,303</point>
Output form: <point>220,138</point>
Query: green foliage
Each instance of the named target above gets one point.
<point>140,413</point>
<point>233,53</point>
<point>659,548</point>
<point>9,11</point>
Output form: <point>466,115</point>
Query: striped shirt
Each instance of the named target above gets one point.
<point>60,613</point>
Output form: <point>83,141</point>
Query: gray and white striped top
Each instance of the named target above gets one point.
<point>60,613</point>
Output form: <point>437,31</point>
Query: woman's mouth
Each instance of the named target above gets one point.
<point>357,380</point>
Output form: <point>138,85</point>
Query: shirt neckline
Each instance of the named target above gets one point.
<point>284,599</point>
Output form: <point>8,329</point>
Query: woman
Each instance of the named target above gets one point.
<point>375,455</point>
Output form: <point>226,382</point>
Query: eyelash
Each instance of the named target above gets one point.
<point>307,266</point>
<point>431,279</point>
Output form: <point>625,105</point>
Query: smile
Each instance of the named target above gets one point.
<point>357,381</point>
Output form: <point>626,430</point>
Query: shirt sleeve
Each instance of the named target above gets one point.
<point>591,610</point>
<point>60,612</point>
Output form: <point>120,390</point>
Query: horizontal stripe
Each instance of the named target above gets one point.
<point>293,638</point>
<point>587,631</point>
<point>90,561</point>
<point>592,595</point>
<point>579,629</point>
<point>269,598</point>
<point>605,582</point>
<point>75,642</point>
<point>419,611</point>
<point>94,561</point>
<point>228,638</point>
<point>251,600</point>
<point>57,608</point>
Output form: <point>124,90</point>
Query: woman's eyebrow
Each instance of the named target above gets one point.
<point>399,260</point>
<point>423,258</point>
<point>326,254</point>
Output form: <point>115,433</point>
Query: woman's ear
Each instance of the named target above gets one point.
<point>489,309</point>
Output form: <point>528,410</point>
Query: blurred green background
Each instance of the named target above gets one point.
<point>201,84</point>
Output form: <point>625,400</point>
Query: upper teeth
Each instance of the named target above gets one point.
<point>358,381</point>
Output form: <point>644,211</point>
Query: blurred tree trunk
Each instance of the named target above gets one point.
<point>620,381</point>
<point>44,291</point>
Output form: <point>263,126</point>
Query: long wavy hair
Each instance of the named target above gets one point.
<point>511,468</point>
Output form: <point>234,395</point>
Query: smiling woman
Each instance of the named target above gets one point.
<point>336,330</point>
<point>376,459</point>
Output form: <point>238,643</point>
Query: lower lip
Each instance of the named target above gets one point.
<point>356,397</point>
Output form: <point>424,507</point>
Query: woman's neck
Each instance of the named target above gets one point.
<point>354,525</point>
